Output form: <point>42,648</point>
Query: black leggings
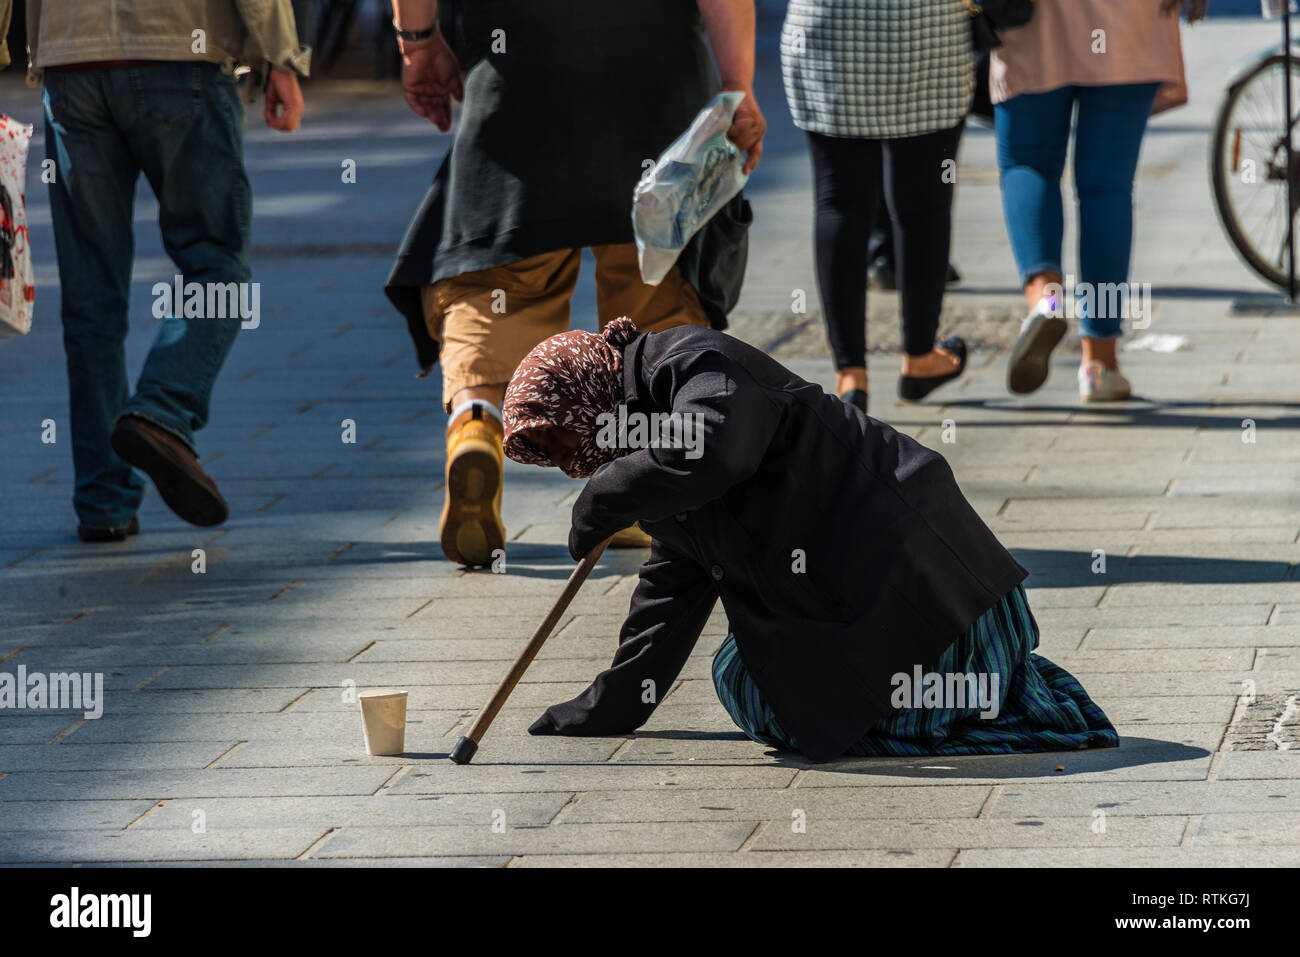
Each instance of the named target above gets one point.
<point>918,193</point>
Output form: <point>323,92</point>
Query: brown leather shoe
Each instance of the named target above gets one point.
<point>89,533</point>
<point>188,490</point>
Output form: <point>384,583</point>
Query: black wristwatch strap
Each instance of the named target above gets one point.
<point>414,34</point>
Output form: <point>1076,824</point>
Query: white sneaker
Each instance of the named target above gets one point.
<point>1099,384</point>
<point>1031,355</point>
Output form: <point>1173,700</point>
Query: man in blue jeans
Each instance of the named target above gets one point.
<point>147,86</point>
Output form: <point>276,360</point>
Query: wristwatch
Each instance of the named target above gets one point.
<point>413,35</point>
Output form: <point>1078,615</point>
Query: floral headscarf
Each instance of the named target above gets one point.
<point>568,381</point>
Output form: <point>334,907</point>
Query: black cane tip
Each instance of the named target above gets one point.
<point>464,750</point>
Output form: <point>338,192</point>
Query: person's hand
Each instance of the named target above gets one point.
<point>747,129</point>
<point>283,100</point>
<point>583,717</point>
<point>431,80</point>
<point>583,537</point>
<point>1193,9</point>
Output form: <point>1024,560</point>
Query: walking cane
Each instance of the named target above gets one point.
<point>464,750</point>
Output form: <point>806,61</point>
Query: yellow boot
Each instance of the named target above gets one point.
<point>471,528</point>
<point>630,537</point>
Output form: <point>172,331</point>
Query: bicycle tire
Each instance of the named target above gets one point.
<point>1220,174</point>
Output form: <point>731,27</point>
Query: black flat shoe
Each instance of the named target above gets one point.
<point>914,388</point>
<point>88,533</point>
<point>880,275</point>
<point>857,397</point>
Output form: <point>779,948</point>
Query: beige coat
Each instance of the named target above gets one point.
<point>1062,46</point>
<point>254,32</point>
<point>6,11</point>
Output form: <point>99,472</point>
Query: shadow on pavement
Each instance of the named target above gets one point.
<point>1144,413</point>
<point>1063,568</point>
<point>1132,753</point>
<point>1198,293</point>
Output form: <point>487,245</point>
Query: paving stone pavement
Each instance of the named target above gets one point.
<point>227,731</point>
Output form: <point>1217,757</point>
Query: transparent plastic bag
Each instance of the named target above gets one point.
<point>695,177</point>
<point>17,283</point>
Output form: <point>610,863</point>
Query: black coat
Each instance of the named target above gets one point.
<point>843,551</point>
<point>552,138</point>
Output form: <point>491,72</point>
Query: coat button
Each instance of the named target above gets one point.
<point>680,516</point>
<point>716,572</point>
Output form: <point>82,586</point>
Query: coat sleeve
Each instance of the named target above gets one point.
<point>273,35</point>
<point>734,420</point>
<point>671,603</point>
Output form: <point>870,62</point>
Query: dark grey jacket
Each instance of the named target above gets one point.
<point>843,551</point>
<point>553,136</point>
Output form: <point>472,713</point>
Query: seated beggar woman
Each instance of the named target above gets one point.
<point>870,610</point>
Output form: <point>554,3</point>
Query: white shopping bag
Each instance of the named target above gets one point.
<point>695,177</point>
<point>17,282</point>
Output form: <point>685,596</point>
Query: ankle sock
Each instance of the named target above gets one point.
<point>485,408</point>
<point>1048,306</point>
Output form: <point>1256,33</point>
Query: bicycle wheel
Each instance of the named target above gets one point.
<point>1249,166</point>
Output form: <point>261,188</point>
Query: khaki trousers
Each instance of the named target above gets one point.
<point>487,321</point>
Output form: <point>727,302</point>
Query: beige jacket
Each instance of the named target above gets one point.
<point>229,32</point>
<point>1087,43</point>
<point>6,11</point>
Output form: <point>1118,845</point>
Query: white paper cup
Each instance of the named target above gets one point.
<point>383,719</point>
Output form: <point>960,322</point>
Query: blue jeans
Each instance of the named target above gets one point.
<point>181,124</point>
<point>1033,132</point>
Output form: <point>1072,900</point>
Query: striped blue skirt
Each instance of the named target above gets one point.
<point>988,694</point>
